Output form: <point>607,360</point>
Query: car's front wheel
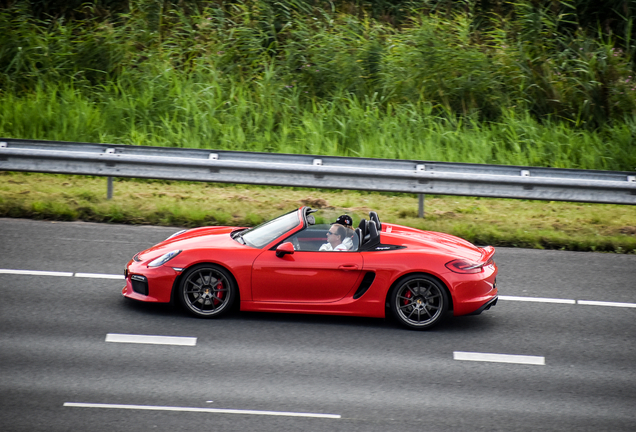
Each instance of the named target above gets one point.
<point>419,302</point>
<point>207,291</point>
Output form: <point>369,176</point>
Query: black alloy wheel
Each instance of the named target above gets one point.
<point>419,302</point>
<point>207,291</point>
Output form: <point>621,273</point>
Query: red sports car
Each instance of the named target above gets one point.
<point>291,264</point>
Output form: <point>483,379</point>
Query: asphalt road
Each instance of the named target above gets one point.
<point>271,369</point>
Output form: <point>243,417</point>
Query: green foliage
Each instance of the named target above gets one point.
<point>435,61</point>
<point>528,82</point>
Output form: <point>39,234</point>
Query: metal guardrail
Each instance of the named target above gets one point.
<point>419,177</point>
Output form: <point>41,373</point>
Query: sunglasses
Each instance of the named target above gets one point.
<point>330,233</point>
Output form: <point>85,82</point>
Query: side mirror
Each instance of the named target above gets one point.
<point>284,249</point>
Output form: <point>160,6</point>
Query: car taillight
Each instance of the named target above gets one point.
<point>464,266</point>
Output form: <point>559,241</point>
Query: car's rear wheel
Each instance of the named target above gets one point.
<point>419,302</point>
<point>207,291</point>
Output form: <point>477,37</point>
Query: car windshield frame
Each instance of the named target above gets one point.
<point>265,233</point>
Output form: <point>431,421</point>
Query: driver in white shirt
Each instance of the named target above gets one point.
<point>335,237</point>
<point>342,236</point>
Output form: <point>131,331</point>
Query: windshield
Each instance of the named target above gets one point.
<point>264,234</point>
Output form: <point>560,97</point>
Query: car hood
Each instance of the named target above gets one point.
<point>204,237</point>
<point>434,242</point>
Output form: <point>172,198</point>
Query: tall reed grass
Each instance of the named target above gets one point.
<point>296,78</point>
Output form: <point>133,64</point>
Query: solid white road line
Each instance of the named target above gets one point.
<point>603,303</point>
<point>63,274</point>
<point>99,276</point>
<point>202,410</point>
<point>36,273</point>
<point>499,358</point>
<point>501,297</point>
<point>155,340</point>
<point>538,299</point>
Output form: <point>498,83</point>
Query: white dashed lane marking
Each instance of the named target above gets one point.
<point>153,340</point>
<point>499,358</point>
<point>201,410</point>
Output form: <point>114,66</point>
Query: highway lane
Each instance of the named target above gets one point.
<point>372,373</point>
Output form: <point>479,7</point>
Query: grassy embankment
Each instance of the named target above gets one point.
<point>518,223</point>
<point>525,88</point>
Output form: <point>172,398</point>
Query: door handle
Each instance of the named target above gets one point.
<point>346,267</point>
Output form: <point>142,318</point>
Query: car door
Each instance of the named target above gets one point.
<point>305,276</point>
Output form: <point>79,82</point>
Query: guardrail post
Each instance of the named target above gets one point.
<point>109,188</point>
<point>420,210</point>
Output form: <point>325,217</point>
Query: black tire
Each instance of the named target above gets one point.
<point>419,302</point>
<point>207,291</point>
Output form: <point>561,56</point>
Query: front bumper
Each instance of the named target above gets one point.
<point>149,284</point>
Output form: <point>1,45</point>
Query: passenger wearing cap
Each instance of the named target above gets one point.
<point>345,221</point>
<point>340,235</point>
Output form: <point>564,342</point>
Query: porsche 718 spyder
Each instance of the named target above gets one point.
<point>419,276</point>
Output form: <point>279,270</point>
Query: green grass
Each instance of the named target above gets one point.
<point>500,222</point>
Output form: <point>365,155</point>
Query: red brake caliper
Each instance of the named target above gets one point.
<point>408,295</point>
<point>219,294</point>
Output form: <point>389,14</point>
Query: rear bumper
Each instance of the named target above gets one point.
<point>473,293</point>
<point>485,306</point>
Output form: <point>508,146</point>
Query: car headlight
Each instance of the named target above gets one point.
<point>164,258</point>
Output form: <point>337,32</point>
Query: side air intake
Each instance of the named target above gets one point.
<point>367,280</point>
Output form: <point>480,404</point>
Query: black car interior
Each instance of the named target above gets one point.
<point>365,237</point>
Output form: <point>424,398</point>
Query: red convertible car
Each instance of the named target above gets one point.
<point>279,267</point>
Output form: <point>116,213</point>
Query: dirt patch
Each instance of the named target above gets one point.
<point>448,214</point>
<point>631,230</point>
<point>318,203</point>
<point>364,210</point>
<point>171,195</point>
<point>241,198</point>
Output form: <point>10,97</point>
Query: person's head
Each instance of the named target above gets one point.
<point>336,234</point>
<point>344,220</point>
